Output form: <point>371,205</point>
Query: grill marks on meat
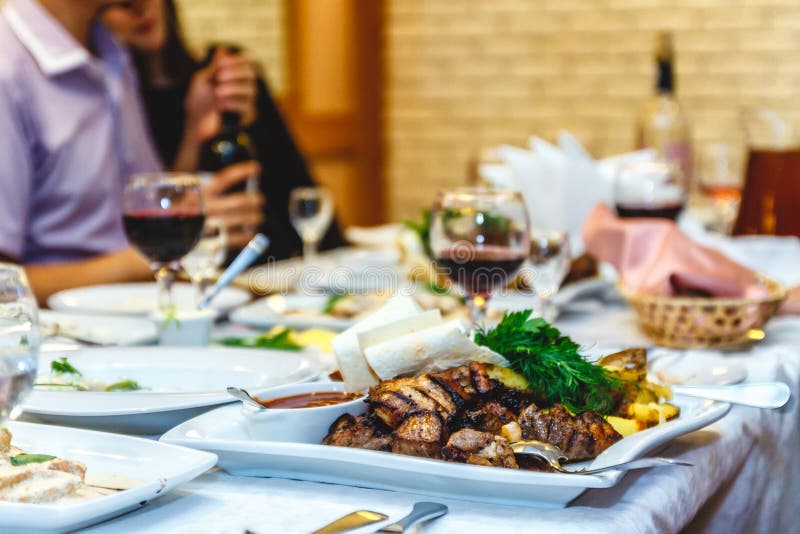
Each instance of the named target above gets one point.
<point>362,432</point>
<point>480,448</point>
<point>456,414</point>
<point>420,434</point>
<point>581,436</point>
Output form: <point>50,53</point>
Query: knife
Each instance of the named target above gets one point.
<point>422,511</point>
<point>351,521</point>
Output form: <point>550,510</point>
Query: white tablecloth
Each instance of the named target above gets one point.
<point>746,476</point>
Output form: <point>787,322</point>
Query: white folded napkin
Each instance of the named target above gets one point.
<point>562,183</point>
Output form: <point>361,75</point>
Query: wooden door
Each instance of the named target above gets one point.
<point>333,101</point>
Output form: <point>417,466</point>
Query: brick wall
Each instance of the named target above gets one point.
<point>259,25</point>
<point>465,74</point>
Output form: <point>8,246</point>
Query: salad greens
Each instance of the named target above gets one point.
<point>556,371</point>
<point>123,385</point>
<point>25,459</point>
<point>62,366</point>
<point>279,341</point>
<point>332,300</point>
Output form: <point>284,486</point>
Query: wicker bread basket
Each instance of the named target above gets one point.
<point>701,322</point>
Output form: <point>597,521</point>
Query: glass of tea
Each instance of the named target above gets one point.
<point>19,339</point>
<point>311,213</point>
<point>479,238</point>
<point>164,216</point>
<point>649,189</point>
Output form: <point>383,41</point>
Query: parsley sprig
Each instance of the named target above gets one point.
<point>62,366</point>
<point>552,364</point>
<point>279,341</point>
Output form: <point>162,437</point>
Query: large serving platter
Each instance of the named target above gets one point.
<point>138,299</point>
<point>158,466</point>
<point>223,432</point>
<point>182,382</point>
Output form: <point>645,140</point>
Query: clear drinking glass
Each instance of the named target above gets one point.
<point>479,238</point>
<point>721,179</point>
<point>208,255</point>
<point>311,213</point>
<point>19,339</point>
<point>164,217</point>
<point>550,258</point>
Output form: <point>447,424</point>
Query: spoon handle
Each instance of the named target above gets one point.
<point>760,395</point>
<point>641,463</point>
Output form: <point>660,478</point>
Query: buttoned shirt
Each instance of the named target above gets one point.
<point>72,132</point>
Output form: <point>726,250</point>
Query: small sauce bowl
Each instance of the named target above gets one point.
<point>298,425</point>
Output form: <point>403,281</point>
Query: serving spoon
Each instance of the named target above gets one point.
<point>757,394</point>
<point>554,456</point>
<point>245,397</point>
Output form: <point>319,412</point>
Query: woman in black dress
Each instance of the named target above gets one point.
<point>183,97</point>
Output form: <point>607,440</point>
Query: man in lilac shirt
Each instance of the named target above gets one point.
<point>71,133</point>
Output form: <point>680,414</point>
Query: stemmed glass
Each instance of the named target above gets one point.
<point>19,339</point>
<point>202,262</point>
<point>311,213</point>
<point>550,258</point>
<point>164,215</point>
<point>479,238</point>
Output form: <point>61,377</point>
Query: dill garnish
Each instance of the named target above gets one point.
<point>555,370</point>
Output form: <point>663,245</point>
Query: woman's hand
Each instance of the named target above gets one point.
<point>241,213</point>
<point>227,84</point>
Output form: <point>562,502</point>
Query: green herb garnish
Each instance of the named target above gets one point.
<point>280,341</point>
<point>62,366</point>
<point>423,230</point>
<point>124,385</point>
<point>25,459</point>
<point>171,316</point>
<point>555,370</point>
<point>332,300</point>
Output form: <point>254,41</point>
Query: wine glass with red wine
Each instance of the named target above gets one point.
<point>163,214</point>
<point>649,189</point>
<point>479,238</point>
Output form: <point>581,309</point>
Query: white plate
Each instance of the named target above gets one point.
<point>137,299</point>
<point>223,432</point>
<point>160,467</point>
<point>693,368</point>
<point>292,310</point>
<point>103,329</point>
<point>183,382</point>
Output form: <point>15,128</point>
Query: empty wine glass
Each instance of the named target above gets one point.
<point>311,213</point>
<point>19,339</point>
<point>550,258</point>
<point>164,216</point>
<point>479,238</point>
<point>207,256</point>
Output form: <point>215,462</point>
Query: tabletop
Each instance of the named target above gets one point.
<point>743,480</point>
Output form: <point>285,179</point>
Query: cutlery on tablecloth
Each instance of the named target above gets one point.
<point>422,511</point>
<point>351,521</point>
<point>554,456</point>
<point>757,394</point>
<point>56,330</point>
<point>246,257</point>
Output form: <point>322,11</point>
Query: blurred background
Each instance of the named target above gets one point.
<point>392,100</point>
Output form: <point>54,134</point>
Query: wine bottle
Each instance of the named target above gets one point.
<point>662,123</point>
<point>231,145</point>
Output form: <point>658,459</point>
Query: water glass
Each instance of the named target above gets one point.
<point>205,259</point>
<point>550,259</point>
<point>20,337</point>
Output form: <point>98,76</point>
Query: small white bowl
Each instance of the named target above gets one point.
<point>298,425</point>
<point>184,327</point>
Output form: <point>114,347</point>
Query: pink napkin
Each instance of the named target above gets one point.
<point>654,257</point>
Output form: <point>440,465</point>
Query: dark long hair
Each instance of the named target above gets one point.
<point>178,62</point>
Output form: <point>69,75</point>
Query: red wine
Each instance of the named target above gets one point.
<point>663,211</point>
<point>480,271</point>
<point>163,237</point>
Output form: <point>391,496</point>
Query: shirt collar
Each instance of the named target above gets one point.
<point>53,48</point>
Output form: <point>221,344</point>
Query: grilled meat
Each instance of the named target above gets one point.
<point>363,432</point>
<point>479,448</point>
<point>420,434</point>
<point>580,436</point>
<point>489,416</point>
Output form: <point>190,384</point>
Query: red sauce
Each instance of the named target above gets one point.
<point>310,400</point>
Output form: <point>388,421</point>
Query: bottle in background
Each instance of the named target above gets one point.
<point>662,124</point>
<point>231,145</point>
